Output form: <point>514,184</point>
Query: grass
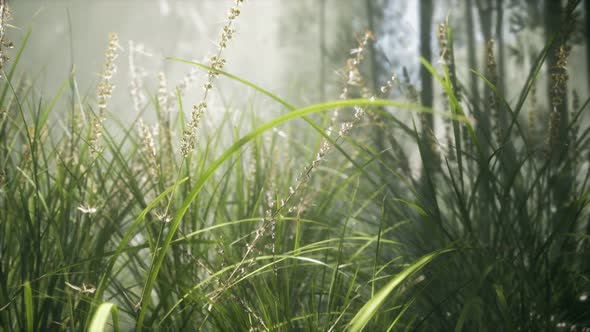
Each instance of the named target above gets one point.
<point>117,227</point>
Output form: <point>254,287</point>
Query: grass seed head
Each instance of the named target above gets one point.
<point>5,16</point>
<point>216,62</point>
<point>104,92</point>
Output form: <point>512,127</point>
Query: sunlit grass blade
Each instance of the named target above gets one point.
<point>21,49</point>
<point>28,296</point>
<point>100,319</point>
<point>371,308</point>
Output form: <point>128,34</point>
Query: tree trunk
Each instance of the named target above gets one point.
<point>558,100</point>
<point>500,49</point>
<point>471,54</point>
<point>587,34</point>
<point>426,95</point>
<point>373,56</point>
<point>322,32</point>
<point>484,124</point>
<point>379,131</point>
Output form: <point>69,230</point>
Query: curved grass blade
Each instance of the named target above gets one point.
<point>15,63</point>
<point>286,105</point>
<point>100,318</point>
<point>370,308</point>
<point>503,304</point>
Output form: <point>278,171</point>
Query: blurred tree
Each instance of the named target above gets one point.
<point>322,38</point>
<point>426,93</point>
<point>334,26</point>
<point>553,33</point>
<point>500,43</point>
<point>426,27</point>
<point>587,34</point>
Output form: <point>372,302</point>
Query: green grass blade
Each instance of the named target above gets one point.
<point>15,63</point>
<point>459,115</point>
<point>370,308</point>
<point>43,118</point>
<point>243,81</point>
<point>101,317</point>
<point>29,306</point>
<point>503,304</point>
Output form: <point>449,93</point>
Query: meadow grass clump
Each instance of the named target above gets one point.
<point>517,220</point>
<point>121,226</point>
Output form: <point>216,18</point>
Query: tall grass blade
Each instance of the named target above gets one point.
<point>28,295</point>
<point>100,319</point>
<point>364,315</point>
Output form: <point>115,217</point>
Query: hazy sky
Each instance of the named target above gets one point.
<point>190,30</point>
<point>183,29</point>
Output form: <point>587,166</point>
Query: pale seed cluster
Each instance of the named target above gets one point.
<point>149,148</point>
<point>186,81</point>
<point>165,99</point>
<point>105,90</point>
<point>5,16</point>
<point>559,78</point>
<point>353,78</point>
<point>492,75</point>
<point>441,35</point>
<point>447,56</point>
<point>446,59</point>
<point>217,63</point>
<point>189,134</point>
<point>137,75</point>
<point>105,86</point>
<point>410,92</point>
